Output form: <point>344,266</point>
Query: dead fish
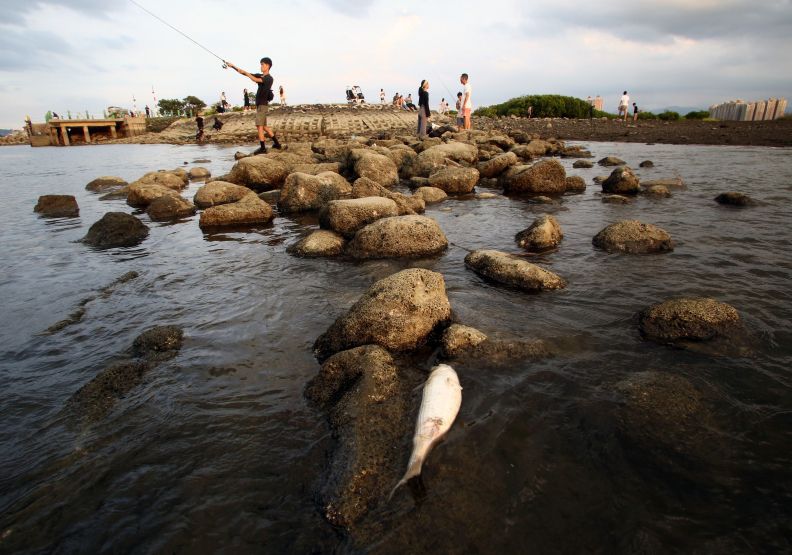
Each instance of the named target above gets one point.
<point>442,396</point>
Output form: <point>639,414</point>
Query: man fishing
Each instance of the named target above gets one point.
<point>264,95</point>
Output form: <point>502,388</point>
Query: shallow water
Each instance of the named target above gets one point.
<point>217,451</point>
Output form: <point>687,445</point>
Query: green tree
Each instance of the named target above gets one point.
<point>192,104</point>
<point>171,106</point>
<point>541,106</point>
<point>699,114</point>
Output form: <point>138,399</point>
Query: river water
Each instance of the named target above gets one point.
<point>218,452</point>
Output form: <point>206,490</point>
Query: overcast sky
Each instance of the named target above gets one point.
<point>88,54</point>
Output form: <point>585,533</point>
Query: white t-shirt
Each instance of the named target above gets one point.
<point>625,100</point>
<point>469,92</point>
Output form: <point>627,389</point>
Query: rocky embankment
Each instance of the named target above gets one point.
<point>369,195</point>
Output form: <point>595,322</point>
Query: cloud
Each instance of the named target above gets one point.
<point>30,49</point>
<point>655,21</point>
<point>15,12</point>
<point>353,8</point>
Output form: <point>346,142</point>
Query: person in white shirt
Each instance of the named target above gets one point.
<point>382,96</point>
<point>443,106</point>
<point>624,105</point>
<point>467,101</point>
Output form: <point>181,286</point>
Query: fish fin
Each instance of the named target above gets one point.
<point>413,471</point>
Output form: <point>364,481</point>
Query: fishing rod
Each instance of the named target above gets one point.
<point>185,35</point>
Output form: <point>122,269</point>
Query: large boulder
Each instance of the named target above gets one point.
<point>317,168</point>
<point>544,177</point>
<point>733,198</point>
<point>431,194</point>
<point>689,320</point>
<point>141,194</point>
<point>250,210</point>
<point>346,216</point>
<point>170,207</point>
<point>634,237</point>
<point>198,173</point>
<point>497,164</point>
<point>57,206</point>
<point>318,244</point>
<point>374,166</point>
<point>116,229</point>
<point>543,234</point>
<point>259,172</point>
<point>513,271</point>
<point>610,161</point>
<point>219,192</point>
<point>105,183</point>
<point>398,312</point>
<point>622,181</point>
<point>368,403</point>
<point>404,157</point>
<point>398,237</point>
<point>455,180</point>
<point>439,156</point>
<point>302,192</point>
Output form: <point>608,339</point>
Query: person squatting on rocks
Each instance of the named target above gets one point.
<point>409,103</point>
<point>423,109</point>
<point>460,120</point>
<point>264,95</point>
<point>624,105</point>
<point>467,100</point>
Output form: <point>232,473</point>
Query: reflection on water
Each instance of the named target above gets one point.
<point>216,450</point>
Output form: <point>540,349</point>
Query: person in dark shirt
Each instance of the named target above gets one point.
<point>199,121</point>
<point>423,109</point>
<point>264,95</point>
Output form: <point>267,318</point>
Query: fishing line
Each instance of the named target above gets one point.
<point>185,35</point>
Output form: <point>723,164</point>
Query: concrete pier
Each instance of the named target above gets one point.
<point>65,132</point>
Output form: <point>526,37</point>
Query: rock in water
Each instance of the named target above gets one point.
<point>656,191</point>
<point>398,237</point>
<point>303,193</point>
<point>250,210</point>
<point>319,243</point>
<point>543,234</point>
<point>367,401</point>
<point>140,195</point>
<point>116,229</point>
<point>544,177</point>
<point>455,180</point>
<point>398,312</point>
<point>575,184</point>
<point>431,194</point>
<point>198,173</point>
<point>374,166</point>
<point>734,198</point>
<point>634,237</point>
<point>458,338</point>
<point>582,164</point>
<point>219,192</point>
<point>170,207</point>
<point>497,164</point>
<point>157,341</point>
<point>349,215</point>
<point>259,173</point>
<point>689,319</point>
<point>512,271</point>
<point>95,399</point>
<point>57,206</point>
<point>105,183</point>
<point>622,181</point>
<point>439,156</point>
<point>646,164</point>
<point>611,161</point>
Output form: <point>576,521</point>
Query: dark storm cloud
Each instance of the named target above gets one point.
<point>355,8</point>
<point>13,12</point>
<point>653,21</point>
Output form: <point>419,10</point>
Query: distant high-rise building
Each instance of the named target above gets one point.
<point>739,110</point>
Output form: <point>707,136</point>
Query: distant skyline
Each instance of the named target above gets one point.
<point>83,55</point>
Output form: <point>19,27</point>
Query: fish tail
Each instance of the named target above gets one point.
<point>413,471</point>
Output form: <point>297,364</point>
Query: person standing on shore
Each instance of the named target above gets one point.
<point>423,109</point>
<point>460,120</point>
<point>467,100</point>
<point>245,100</point>
<point>382,96</point>
<point>282,95</point>
<point>264,95</point>
<point>148,111</point>
<point>635,112</point>
<point>624,105</point>
<point>199,122</point>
